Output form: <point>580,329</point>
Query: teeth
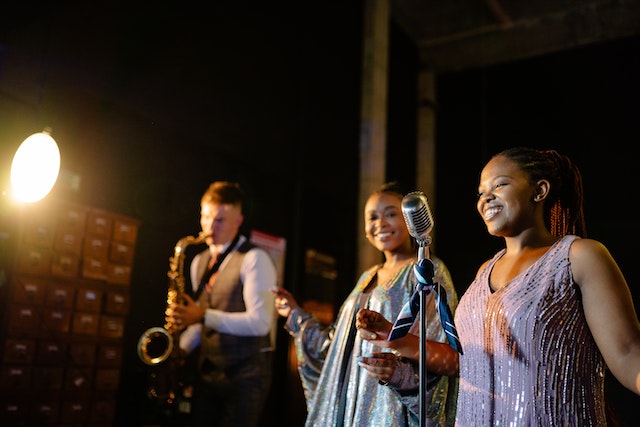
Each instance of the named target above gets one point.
<point>383,235</point>
<point>491,212</point>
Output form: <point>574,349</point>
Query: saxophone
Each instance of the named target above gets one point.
<point>159,344</point>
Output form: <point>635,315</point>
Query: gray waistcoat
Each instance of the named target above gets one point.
<point>224,350</point>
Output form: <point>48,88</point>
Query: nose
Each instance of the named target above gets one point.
<point>378,224</point>
<point>484,198</point>
<point>382,220</point>
<point>487,196</point>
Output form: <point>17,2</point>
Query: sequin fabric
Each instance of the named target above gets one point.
<point>343,394</point>
<point>529,357</point>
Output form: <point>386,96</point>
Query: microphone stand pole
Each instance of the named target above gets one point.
<point>423,329</point>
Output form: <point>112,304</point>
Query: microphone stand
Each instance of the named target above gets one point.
<point>422,250</point>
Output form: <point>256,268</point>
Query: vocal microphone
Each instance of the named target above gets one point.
<point>417,216</point>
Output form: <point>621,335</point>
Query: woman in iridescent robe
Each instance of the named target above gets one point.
<point>338,391</point>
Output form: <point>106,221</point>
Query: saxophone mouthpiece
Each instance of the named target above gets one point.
<point>201,237</point>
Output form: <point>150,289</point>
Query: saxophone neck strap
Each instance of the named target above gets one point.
<point>207,275</point>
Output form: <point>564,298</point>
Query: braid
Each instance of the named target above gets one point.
<point>566,214</point>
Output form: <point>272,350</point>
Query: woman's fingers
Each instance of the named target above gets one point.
<point>367,335</point>
<point>380,365</point>
<point>281,302</point>
<point>372,320</point>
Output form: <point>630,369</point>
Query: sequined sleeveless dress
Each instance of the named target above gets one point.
<point>529,357</point>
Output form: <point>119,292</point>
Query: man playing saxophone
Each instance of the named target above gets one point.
<point>230,317</point>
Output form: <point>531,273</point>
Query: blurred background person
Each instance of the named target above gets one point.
<point>231,320</point>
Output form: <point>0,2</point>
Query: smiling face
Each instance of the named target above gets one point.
<point>384,224</point>
<point>506,198</point>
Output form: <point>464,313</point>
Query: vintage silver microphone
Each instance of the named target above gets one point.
<point>419,220</point>
<point>417,216</point>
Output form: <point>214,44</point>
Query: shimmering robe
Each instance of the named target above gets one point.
<point>529,357</point>
<point>343,394</point>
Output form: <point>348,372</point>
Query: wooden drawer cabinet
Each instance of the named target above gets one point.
<point>65,309</point>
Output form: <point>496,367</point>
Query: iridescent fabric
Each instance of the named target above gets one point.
<point>343,394</point>
<point>529,357</point>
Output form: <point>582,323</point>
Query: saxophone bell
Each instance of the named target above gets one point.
<point>158,344</point>
<point>155,346</point>
<point>158,347</point>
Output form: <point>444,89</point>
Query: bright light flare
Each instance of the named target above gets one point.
<point>35,167</point>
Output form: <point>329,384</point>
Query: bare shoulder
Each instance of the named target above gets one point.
<point>590,259</point>
<point>586,250</point>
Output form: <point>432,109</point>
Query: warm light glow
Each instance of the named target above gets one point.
<point>35,167</point>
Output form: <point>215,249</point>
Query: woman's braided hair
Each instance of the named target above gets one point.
<point>563,208</point>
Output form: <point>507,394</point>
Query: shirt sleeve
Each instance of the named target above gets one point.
<point>312,341</point>
<point>190,337</point>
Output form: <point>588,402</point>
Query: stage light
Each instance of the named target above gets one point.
<point>35,167</point>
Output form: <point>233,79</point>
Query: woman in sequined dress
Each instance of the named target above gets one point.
<point>338,391</point>
<point>549,314</point>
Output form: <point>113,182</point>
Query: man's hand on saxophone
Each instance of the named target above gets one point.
<point>187,313</point>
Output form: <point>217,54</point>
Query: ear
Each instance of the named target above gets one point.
<point>542,190</point>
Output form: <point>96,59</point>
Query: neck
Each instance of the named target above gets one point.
<point>397,260</point>
<point>531,239</point>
